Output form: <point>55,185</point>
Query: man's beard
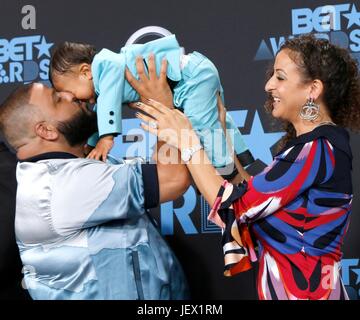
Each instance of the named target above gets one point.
<point>79,128</point>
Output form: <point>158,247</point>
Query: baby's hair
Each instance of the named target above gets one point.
<point>70,54</point>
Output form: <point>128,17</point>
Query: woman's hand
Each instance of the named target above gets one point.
<point>151,86</point>
<point>170,125</point>
<point>175,129</point>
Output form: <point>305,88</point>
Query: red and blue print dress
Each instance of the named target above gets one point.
<point>297,210</point>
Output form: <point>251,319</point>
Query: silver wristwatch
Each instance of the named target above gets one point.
<point>187,153</point>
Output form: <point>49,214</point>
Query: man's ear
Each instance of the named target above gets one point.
<point>46,131</point>
<point>85,71</point>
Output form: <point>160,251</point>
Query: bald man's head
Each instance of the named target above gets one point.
<point>18,116</point>
<point>34,115</point>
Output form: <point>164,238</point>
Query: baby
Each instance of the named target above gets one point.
<point>100,78</point>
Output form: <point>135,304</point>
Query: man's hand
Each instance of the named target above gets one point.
<point>152,86</point>
<point>102,148</point>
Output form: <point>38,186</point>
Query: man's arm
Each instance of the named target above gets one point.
<point>173,176</point>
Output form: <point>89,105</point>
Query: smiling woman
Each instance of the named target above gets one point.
<point>312,82</point>
<point>298,209</point>
<point>288,91</point>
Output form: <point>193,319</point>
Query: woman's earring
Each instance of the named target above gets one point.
<point>310,110</point>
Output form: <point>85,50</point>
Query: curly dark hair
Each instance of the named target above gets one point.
<point>339,73</point>
<point>69,54</point>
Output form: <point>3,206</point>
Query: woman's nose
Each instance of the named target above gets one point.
<point>269,86</point>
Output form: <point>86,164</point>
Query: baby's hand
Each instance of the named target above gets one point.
<point>87,149</point>
<point>102,148</point>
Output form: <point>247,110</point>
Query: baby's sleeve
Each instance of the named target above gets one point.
<point>109,102</point>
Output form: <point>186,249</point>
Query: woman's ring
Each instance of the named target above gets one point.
<point>153,124</point>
